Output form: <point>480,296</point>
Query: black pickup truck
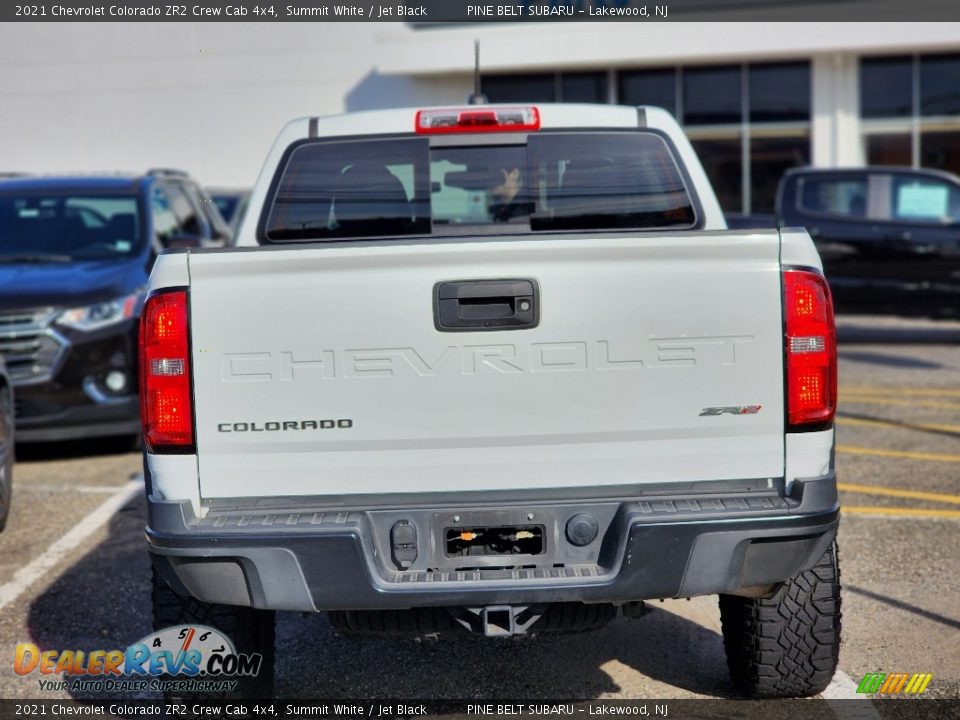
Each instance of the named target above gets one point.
<point>889,237</point>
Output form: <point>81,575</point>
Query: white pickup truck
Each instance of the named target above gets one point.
<point>495,369</point>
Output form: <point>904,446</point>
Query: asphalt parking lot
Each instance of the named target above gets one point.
<point>74,572</point>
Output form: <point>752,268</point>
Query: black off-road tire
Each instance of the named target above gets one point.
<point>786,645</point>
<point>252,631</point>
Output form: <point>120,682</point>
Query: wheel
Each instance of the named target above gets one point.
<point>786,645</point>
<point>251,630</point>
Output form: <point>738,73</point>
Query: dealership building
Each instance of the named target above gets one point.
<point>755,98</point>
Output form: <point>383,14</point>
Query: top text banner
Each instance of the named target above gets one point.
<point>432,12</point>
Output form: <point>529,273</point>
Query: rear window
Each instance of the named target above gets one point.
<point>834,196</point>
<point>556,181</point>
<point>896,197</point>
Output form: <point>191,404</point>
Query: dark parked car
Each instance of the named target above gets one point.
<point>889,237</point>
<point>75,255</point>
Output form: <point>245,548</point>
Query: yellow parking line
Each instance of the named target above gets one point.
<point>935,457</point>
<point>876,422</point>
<point>928,392</point>
<point>897,492</point>
<point>909,512</point>
<point>859,399</point>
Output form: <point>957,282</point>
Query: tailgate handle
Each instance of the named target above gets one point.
<point>477,305</point>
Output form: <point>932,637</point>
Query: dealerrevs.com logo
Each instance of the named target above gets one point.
<point>200,658</point>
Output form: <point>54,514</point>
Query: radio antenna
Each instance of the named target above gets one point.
<point>478,98</point>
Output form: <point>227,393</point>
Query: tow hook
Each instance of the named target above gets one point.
<point>498,620</point>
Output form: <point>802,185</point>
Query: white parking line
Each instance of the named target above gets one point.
<point>40,566</point>
<point>94,489</point>
<point>842,687</point>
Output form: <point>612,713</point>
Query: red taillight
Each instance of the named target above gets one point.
<point>477,119</point>
<point>811,349</point>
<point>166,407</point>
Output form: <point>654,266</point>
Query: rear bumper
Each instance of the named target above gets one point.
<point>646,548</point>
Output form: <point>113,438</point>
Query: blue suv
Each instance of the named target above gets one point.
<point>75,255</point>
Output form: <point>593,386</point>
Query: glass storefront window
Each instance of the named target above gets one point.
<point>519,88</point>
<point>583,87</point>
<point>708,100</point>
<point>888,149</point>
<point>923,91</point>
<point>886,87</point>
<point>770,157</point>
<point>940,150</point>
<point>723,164</point>
<point>712,95</point>
<point>649,87</point>
<point>940,85</point>
<point>779,92</point>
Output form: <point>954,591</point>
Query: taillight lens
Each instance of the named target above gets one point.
<point>166,407</point>
<point>810,348</point>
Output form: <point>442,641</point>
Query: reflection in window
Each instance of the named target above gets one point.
<point>940,85</point>
<point>352,189</point>
<point>722,162</point>
<point>886,87</point>
<point>649,87</point>
<point>711,95</point>
<point>59,222</point>
<point>606,181</point>
<point>779,92</point>
<point>769,159</point>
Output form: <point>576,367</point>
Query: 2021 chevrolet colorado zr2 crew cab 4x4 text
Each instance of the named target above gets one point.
<point>497,369</point>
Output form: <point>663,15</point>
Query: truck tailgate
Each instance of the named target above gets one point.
<point>320,371</point>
